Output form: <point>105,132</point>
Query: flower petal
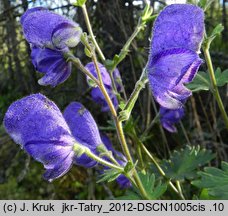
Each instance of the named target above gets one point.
<point>66,35</point>
<point>178,26</point>
<point>38,25</point>
<point>167,73</point>
<point>104,73</point>
<point>170,117</point>
<point>82,125</point>
<point>38,126</point>
<point>53,64</point>
<point>60,169</point>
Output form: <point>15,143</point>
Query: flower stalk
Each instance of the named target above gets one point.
<point>215,90</point>
<point>126,112</point>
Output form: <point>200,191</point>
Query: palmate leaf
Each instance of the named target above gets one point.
<point>154,191</point>
<point>184,163</point>
<point>202,80</point>
<point>214,181</point>
<point>221,77</point>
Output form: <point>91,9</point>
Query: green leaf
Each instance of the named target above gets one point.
<point>122,105</point>
<point>217,30</point>
<point>154,191</point>
<point>130,195</point>
<point>87,52</point>
<point>109,175</point>
<point>129,166</point>
<point>221,77</point>
<point>205,4</point>
<point>214,181</point>
<point>147,12</point>
<point>183,164</point>
<point>79,3</point>
<point>201,82</point>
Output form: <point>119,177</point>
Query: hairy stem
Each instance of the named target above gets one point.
<point>80,66</point>
<point>86,16</point>
<point>119,127</point>
<point>79,150</point>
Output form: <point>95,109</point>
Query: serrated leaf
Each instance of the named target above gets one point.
<point>154,191</point>
<point>109,175</point>
<point>184,163</point>
<point>201,82</point>
<point>221,77</point>
<point>215,181</point>
<point>217,30</point>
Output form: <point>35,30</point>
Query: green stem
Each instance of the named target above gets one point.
<point>79,150</point>
<point>140,84</point>
<point>124,51</point>
<point>185,133</point>
<point>86,16</point>
<point>100,53</point>
<point>119,127</point>
<point>215,90</point>
<point>147,130</point>
<point>80,66</point>
<point>180,190</point>
<point>102,161</point>
<point>161,170</point>
<point>118,124</point>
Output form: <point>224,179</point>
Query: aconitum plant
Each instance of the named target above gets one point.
<point>60,141</point>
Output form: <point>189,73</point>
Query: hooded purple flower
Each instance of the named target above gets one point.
<point>50,36</point>
<point>84,129</point>
<point>169,117</point>
<point>52,64</point>
<point>96,94</point>
<point>38,126</point>
<point>122,180</point>
<point>45,29</point>
<point>173,61</point>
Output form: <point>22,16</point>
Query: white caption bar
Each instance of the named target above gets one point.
<point>112,207</point>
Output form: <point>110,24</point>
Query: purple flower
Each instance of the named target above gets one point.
<point>45,29</point>
<point>169,117</point>
<point>122,180</point>
<point>173,61</point>
<point>38,126</point>
<point>50,36</point>
<point>96,94</point>
<point>52,64</point>
<point>84,129</point>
